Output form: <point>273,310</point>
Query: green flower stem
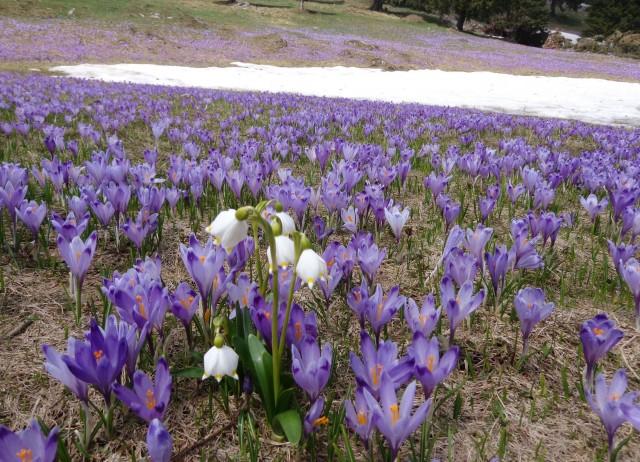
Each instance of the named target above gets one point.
<point>256,251</point>
<point>78,289</point>
<point>292,285</point>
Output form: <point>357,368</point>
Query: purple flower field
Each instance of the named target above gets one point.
<point>58,41</point>
<point>213,275</point>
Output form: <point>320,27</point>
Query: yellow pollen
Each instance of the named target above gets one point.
<point>395,414</point>
<point>362,418</point>
<point>430,365</point>
<point>375,372</point>
<point>151,400</point>
<point>97,354</point>
<point>320,421</point>
<point>298,332</point>
<point>598,331</point>
<point>25,455</point>
<point>310,281</point>
<point>423,319</point>
<point>141,306</point>
<point>358,296</point>
<point>350,218</point>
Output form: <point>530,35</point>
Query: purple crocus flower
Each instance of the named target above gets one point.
<point>476,241</point>
<point>486,205</point>
<point>159,442</point>
<point>77,205</point>
<point>531,309</point>
<point>28,445</point>
<point>374,362</point>
<point>592,206</point>
<point>359,417</point>
<point>461,266</point>
<point>620,254</point>
<point>78,254</point>
<point>203,263</point>
<point>460,306</point>
<point>99,360</point>
<point>424,320</point>
<point>498,265</point>
<point>382,307</point>
<point>598,335</point>
<point>134,345</point>
<point>451,210</point>
<point>631,275</point>
<point>147,400</point>
<point>300,326</point>
<point>11,197</point>
<point>514,192</point>
<point>436,183</point>
<point>184,303</point>
<point>358,301</point>
<point>56,367</point>
<point>350,219</point>
<point>429,368</point>
<point>103,211</point>
<point>32,215</point>
<point>311,368</point>
<point>370,258</point>
<point>394,420</point>
<point>70,227</point>
<point>320,227</point>
<point>314,418</point>
<point>608,403</point>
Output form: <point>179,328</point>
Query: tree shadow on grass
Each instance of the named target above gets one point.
<point>267,5</point>
<point>326,2</point>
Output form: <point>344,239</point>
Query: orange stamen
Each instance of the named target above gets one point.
<point>362,418</point>
<point>598,331</point>
<point>97,354</point>
<point>298,332</point>
<point>320,421</point>
<point>25,455</point>
<point>395,414</point>
<point>141,306</point>
<point>430,365</point>
<point>151,400</point>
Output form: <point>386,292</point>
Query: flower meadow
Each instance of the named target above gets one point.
<point>64,41</point>
<point>243,276</point>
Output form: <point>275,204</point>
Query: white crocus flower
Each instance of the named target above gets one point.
<point>288,226</point>
<point>219,362</point>
<point>227,230</point>
<point>311,267</point>
<point>285,252</point>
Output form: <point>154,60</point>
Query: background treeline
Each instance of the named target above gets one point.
<point>526,21</point>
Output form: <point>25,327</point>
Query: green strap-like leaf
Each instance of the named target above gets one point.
<point>291,425</point>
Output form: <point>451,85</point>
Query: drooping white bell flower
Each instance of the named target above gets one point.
<point>288,226</point>
<point>285,252</point>
<point>311,267</point>
<point>219,362</point>
<point>227,230</point>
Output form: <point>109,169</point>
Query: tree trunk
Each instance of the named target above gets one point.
<point>377,5</point>
<point>462,17</point>
<point>553,6</point>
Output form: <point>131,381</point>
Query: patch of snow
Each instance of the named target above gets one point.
<point>568,35</point>
<point>589,100</point>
